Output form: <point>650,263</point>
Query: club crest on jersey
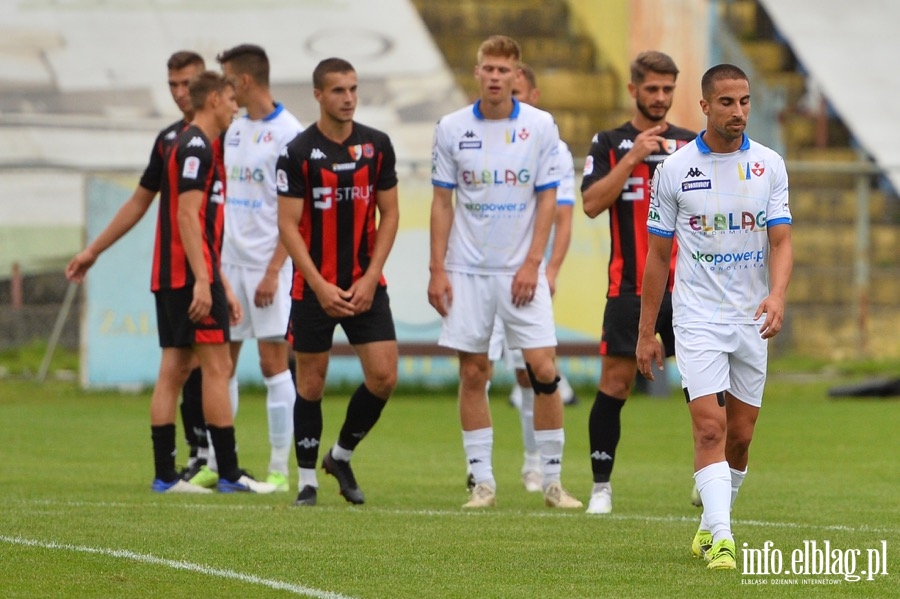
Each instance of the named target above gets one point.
<point>191,167</point>
<point>360,150</point>
<point>748,170</point>
<point>588,166</point>
<point>263,137</point>
<point>513,134</point>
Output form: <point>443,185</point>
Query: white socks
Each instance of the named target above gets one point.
<point>550,444</point>
<point>526,413</point>
<point>280,395</point>
<point>478,445</point>
<point>714,485</point>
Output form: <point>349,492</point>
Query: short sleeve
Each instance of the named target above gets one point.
<point>289,179</point>
<point>443,164</point>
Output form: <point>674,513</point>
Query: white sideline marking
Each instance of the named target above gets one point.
<point>863,528</point>
<point>178,565</point>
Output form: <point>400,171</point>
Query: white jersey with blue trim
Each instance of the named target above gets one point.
<point>496,166</point>
<point>719,207</point>
<point>251,206</point>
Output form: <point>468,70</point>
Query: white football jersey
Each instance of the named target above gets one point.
<point>719,207</point>
<point>496,167</point>
<point>251,208</point>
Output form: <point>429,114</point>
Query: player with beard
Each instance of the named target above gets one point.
<point>617,175</point>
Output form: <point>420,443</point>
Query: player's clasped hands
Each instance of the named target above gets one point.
<point>335,301</point>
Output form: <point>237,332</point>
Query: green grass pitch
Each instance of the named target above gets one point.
<point>77,518</point>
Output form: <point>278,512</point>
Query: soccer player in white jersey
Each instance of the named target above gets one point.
<point>487,250</point>
<point>253,258</point>
<point>526,90</point>
<point>724,198</point>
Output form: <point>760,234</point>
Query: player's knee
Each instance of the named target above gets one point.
<point>738,443</point>
<point>544,379</point>
<point>709,434</point>
<point>474,372</point>
<point>382,383</point>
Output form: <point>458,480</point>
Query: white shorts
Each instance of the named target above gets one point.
<point>499,348</point>
<point>270,322</point>
<point>722,357</point>
<point>479,299</point>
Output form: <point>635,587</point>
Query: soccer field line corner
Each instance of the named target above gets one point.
<point>177,565</point>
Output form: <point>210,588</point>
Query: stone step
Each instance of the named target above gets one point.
<point>834,332</point>
<point>516,18</point>
<point>741,17</point>
<point>828,245</point>
<point>823,180</point>
<point>541,52</point>
<point>830,206</point>
<point>767,56</point>
<point>791,83</point>
<point>834,285</point>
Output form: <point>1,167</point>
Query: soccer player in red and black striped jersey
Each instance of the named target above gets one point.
<point>194,304</point>
<point>617,175</point>
<point>331,179</point>
<point>182,67</point>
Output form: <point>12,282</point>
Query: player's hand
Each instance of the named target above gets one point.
<point>334,300</point>
<point>79,265</point>
<point>362,292</point>
<point>266,290</point>
<point>524,285</point>
<point>773,308</point>
<point>235,310</point>
<point>649,351</point>
<point>201,304</point>
<point>440,292</point>
<point>648,142</point>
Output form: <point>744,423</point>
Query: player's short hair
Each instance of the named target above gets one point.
<point>499,46</point>
<point>719,73</point>
<point>248,59</point>
<point>528,73</point>
<point>328,66</point>
<point>184,58</point>
<point>204,84</point>
<point>652,61</point>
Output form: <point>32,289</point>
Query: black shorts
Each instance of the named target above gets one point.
<point>176,329</point>
<point>620,325</point>
<point>313,329</point>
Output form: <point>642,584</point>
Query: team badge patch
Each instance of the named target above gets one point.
<point>748,170</point>
<point>191,167</point>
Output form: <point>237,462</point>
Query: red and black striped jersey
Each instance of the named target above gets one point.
<point>338,183</point>
<point>153,174</point>
<point>628,214</point>
<point>192,163</point>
